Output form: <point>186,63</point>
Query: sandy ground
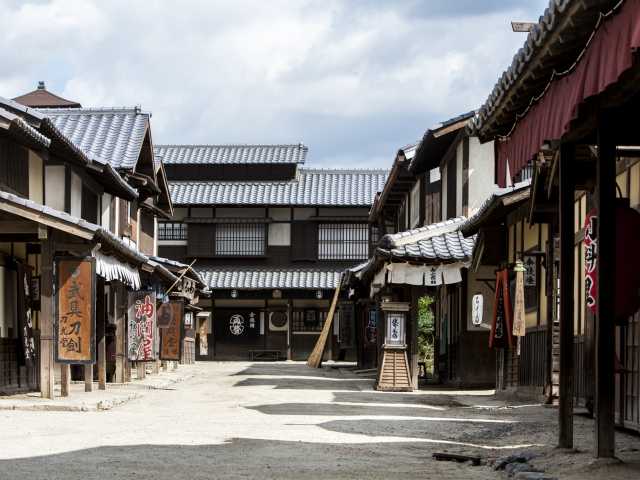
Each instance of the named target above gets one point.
<point>266,420</point>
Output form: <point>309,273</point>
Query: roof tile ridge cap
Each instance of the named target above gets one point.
<point>223,145</point>
<point>86,110</point>
<point>428,231</point>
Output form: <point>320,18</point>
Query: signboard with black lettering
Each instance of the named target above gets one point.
<point>171,331</point>
<point>75,310</point>
<point>237,325</point>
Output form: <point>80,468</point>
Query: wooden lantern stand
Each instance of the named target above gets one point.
<point>394,375</point>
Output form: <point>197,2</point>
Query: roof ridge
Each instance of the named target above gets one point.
<point>222,145</point>
<point>343,170</point>
<point>80,110</point>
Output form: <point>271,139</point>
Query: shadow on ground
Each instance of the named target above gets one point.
<point>305,383</point>
<point>289,369</point>
<point>241,458</point>
<point>333,409</point>
<point>396,398</point>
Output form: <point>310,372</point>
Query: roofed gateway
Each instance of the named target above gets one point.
<point>271,239</point>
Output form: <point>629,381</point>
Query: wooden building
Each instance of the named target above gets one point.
<point>564,109</point>
<point>432,187</point>
<point>270,239</point>
<point>75,183</point>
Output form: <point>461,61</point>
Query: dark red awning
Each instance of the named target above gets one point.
<point>607,56</point>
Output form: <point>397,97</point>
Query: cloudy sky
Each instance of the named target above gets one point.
<point>352,79</point>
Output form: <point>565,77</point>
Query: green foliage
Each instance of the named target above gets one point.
<point>426,334</point>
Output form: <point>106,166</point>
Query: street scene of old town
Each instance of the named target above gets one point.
<point>302,239</point>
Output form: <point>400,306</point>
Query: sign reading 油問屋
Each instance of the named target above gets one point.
<point>141,323</point>
<point>590,260</point>
<point>75,297</point>
<point>171,330</point>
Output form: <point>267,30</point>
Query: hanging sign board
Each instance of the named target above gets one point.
<point>500,336</point>
<point>477,309</point>
<point>141,326</point>
<point>519,321</point>
<point>590,260</point>
<point>75,300</point>
<point>171,334</point>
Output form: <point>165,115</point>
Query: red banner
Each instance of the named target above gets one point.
<point>501,324</point>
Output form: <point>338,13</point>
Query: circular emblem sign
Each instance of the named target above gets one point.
<point>279,319</point>
<point>236,324</point>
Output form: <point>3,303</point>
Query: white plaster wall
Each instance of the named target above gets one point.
<point>443,198</point>
<point>459,164</point>
<point>54,186</point>
<point>279,234</point>
<point>76,195</point>
<point>105,214</point>
<point>35,177</point>
<point>481,173</point>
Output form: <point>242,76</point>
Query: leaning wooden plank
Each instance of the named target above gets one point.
<point>315,359</point>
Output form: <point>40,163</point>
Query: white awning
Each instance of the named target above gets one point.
<point>110,268</point>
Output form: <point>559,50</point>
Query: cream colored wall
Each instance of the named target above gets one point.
<point>76,195</point>
<point>36,177</point>
<point>54,186</point>
<point>481,173</point>
<point>459,163</point>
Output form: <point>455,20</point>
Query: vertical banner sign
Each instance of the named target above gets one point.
<point>591,260</point>
<point>519,322</point>
<point>75,300</point>
<point>141,323</point>
<point>171,330</point>
<point>501,336</point>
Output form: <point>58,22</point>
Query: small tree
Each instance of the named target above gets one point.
<point>426,332</point>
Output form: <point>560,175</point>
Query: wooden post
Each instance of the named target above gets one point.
<point>65,379</point>
<point>164,365</point>
<point>119,297</point>
<point>413,336</point>
<point>88,378</point>
<point>141,370</point>
<point>289,330</point>
<point>101,315</point>
<point>605,317</point>
<point>46,317</point>
<point>567,188</point>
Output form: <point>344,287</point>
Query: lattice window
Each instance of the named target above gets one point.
<point>343,241</point>
<point>309,320</point>
<point>240,239</point>
<point>172,231</point>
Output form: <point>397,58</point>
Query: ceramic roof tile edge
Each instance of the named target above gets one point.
<point>472,224</point>
<point>546,31</point>
<point>394,240</point>
<point>180,265</point>
<point>93,110</point>
<point>17,123</point>
<point>334,274</point>
<point>162,150</point>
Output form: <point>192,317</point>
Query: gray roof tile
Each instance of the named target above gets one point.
<point>282,278</point>
<point>231,154</point>
<point>310,187</point>
<point>441,242</point>
<point>113,134</point>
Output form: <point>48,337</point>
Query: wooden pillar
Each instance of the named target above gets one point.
<point>46,316</point>
<point>141,370</point>
<point>413,336</point>
<point>567,189</point>
<point>605,315</point>
<point>120,310</point>
<point>289,330</point>
<point>101,315</point>
<point>65,379</point>
<point>88,378</point>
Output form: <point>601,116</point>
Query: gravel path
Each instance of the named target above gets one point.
<point>242,420</point>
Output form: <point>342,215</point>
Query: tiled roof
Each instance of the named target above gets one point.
<point>441,242</point>
<point>551,46</point>
<point>258,278</point>
<point>113,134</point>
<point>20,129</point>
<point>43,98</point>
<point>310,187</point>
<point>231,154</point>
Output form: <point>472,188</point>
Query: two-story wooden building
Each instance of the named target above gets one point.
<point>270,238</point>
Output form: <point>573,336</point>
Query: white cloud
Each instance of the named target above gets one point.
<point>353,80</point>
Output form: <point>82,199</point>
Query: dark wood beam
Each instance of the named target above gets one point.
<point>17,226</point>
<point>605,314</point>
<point>567,189</point>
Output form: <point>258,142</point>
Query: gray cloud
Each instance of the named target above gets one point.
<point>354,80</point>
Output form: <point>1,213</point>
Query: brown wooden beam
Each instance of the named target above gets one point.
<point>46,318</point>
<point>567,188</point>
<point>8,227</point>
<point>605,315</point>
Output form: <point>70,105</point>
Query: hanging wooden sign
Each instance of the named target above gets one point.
<point>75,300</point>
<point>590,260</point>
<point>519,321</point>
<point>501,336</point>
<point>171,334</point>
<point>141,326</point>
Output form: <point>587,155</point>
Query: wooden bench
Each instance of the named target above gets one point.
<point>264,355</point>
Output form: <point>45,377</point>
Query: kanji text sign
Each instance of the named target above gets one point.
<point>75,299</point>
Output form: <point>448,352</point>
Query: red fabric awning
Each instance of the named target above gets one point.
<point>609,54</point>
